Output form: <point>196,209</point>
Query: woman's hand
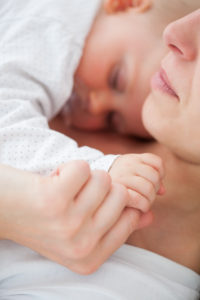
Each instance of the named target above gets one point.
<point>76,217</point>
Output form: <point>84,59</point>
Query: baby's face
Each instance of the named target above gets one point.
<point>113,79</point>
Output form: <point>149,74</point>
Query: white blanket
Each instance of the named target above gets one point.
<point>131,273</point>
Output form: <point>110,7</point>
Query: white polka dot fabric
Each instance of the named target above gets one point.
<point>40,47</point>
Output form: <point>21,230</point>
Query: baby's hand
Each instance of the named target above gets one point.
<point>142,174</point>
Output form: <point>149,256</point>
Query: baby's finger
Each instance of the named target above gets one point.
<point>138,201</point>
<point>150,174</point>
<point>154,161</point>
<point>162,190</point>
<point>140,185</point>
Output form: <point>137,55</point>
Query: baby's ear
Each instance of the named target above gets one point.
<point>113,6</point>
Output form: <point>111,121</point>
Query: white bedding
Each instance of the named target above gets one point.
<point>131,273</point>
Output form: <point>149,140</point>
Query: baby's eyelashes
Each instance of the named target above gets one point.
<point>117,79</point>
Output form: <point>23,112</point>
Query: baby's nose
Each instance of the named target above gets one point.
<point>98,103</point>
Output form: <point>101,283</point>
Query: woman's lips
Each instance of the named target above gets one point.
<point>161,82</point>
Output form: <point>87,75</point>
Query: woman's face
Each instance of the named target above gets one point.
<point>172,111</point>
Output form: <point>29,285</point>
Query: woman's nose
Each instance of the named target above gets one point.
<point>182,36</point>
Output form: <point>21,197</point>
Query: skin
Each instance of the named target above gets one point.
<point>179,113</point>
<point>62,219</point>
<point>51,232</point>
<point>124,61</point>
<point>175,231</point>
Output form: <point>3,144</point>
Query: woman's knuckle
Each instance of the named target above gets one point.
<point>103,178</point>
<point>105,175</point>
<point>86,268</point>
<point>79,167</point>
<point>73,226</point>
<point>83,248</point>
<point>84,166</point>
<point>48,205</point>
<point>91,268</point>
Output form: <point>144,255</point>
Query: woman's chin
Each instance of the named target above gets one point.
<point>148,118</point>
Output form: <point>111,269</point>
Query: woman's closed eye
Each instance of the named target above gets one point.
<point>117,78</point>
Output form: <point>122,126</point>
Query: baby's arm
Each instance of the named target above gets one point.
<point>72,217</point>
<point>142,175</point>
<point>37,66</point>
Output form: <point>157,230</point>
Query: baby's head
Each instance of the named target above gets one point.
<point>122,51</point>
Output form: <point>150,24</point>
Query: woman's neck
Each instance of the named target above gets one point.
<point>175,231</point>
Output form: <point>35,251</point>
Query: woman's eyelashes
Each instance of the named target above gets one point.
<point>117,78</point>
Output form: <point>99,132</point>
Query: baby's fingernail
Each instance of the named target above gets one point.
<point>162,190</point>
